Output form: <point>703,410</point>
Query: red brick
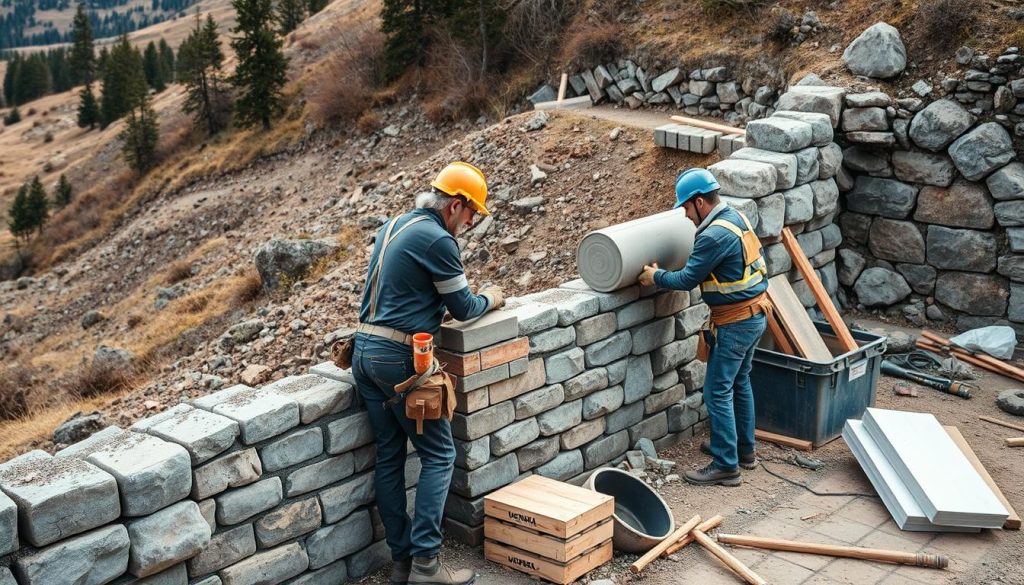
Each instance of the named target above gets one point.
<point>506,389</point>
<point>504,353</point>
<point>458,364</point>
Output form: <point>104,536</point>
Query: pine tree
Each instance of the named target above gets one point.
<point>12,117</point>
<point>123,80</point>
<point>315,6</point>
<point>19,216</point>
<point>290,14</point>
<point>141,134</point>
<point>200,63</point>
<point>262,66</point>
<point>167,61</point>
<point>10,75</point>
<point>88,109</point>
<point>83,56</point>
<point>406,23</point>
<point>101,62</point>
<point>63,192</point>
<point>38,205</point>
<point>152,67</point>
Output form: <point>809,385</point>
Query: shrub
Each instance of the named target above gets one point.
<point>729,6</point>
<point>249,288</point>
<point>178,272</point>
<point>48,137</point>
<point>780,28</point>
<point>368,122</point>
<point>347,78</point>
<point>14,386</point>
<point>12,117</point>
<point>944,23</point>
<point>592,43</point>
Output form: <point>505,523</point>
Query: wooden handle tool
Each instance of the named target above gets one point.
<point>655,552</point>
<point>852,552</point>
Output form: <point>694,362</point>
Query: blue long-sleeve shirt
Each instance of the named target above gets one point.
<point>422,274</point>
<point>715,250</point>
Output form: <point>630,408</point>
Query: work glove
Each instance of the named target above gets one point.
<point>495,297</point>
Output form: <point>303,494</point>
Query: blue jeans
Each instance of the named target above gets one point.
<point>378,365</point>
<point>727,391</point>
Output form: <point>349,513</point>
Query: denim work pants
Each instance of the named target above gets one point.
<point>727,391</point>
<point>378,365</point>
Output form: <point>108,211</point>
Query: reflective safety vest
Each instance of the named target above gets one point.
<point>754,268</point>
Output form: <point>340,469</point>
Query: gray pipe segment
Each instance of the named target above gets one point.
<point>611,258</point>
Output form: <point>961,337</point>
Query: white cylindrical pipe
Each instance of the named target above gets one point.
<point>611,258</point>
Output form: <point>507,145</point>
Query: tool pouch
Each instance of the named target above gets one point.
<point>703,347</point>
<point>429,396</point>
<point>342,350</point>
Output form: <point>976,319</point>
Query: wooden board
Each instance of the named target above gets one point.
<point>798,326</point>
<point>782,343</point>
<point>546,545</point>
<point>531,564</point>
<point>548,506</point>
<point>783,440</point>
<point>818,290</point>
<point>1013,522</point>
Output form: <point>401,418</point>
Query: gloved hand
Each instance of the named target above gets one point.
<point>495,296</point>
<point>646,277</point>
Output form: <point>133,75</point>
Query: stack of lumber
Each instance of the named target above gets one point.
<point>923,474</point>
<point>548,529</point>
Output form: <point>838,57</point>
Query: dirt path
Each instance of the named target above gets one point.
<point>645,118</point>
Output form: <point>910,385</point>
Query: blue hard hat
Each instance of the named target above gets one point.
<point>693,182</point>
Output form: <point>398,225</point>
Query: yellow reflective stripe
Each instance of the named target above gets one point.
<point>753,273</point>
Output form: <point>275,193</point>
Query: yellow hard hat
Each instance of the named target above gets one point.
<point>460,178</point>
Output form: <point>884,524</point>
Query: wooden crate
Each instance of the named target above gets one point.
<point>550,570</point>
<point>546,545</point>
<point>549,507</point>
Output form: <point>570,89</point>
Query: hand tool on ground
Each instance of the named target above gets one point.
<point>655,552</point>
<point>728,558</point>
<point>853,552</point>
<point>704,526</point>
<point>941,384</point>
<point>979,359</point>
<point>1002,423</point>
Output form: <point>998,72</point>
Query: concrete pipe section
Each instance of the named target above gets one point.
<point>611,258</point>
<point>642,519</point>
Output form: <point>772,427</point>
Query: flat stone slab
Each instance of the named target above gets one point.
<point>814,98</point>
<point>745,178</point>
<point>59,497</point>
<point>332,372</point>
<point>317,396</point>
<point>492,328</point>
<point>232,470</point>
<point>260,414</point>
<point>785,163</point>
<point>340,540</point>
<point>202,433</point>
<point>341,500</point>
<point>92,558</point>
<point>241,504</point>
<point>571,305</point>
<point>779,134</point>
<point>166,538</point>
<point>151,473</point>
<point>293,449</point>
<point>273,566</point>
<point>8,526</point>
<point>288,521</point>
<point>226,548</point>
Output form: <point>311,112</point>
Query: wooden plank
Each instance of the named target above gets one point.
<point>531,564</point>
<point>1013,522</point>
<point>562,86</point>
<point>1002,423</point>
<point>1015,442</point>
<point>818,290</point>
<point>782,343</point>
<point>799,444</point>
<point>793,317</point>
<point>708,125</point>
<point>546,545</point>
<point>979,359</point>
<point>549,506</point>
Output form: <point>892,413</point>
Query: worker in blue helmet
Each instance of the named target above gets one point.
<point>727,262</point>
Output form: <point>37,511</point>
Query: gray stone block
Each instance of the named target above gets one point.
<point>777,260</point>
<point>241,504</point>
<point>922,167</point>
<point>340,540</point>
<point>466,510</point>
<point>290,521</point>
<point>534,378</point>
<point>57,498</point>
<point>607,350</point>
<point>662,400</point>
<point>587,382</point>
<point>514,436</point>
<point>810,243</point>
<point>319,474</point>
<point>744,178</point>
<point>865,120</point>
<point>537,453</point>
<point>561,418</point>
<point>1010,213</point>
<point>673,355</point>
<point>964,204</point>
<point>316,396</point>
<point>202,433</point>
<point>176,575</point>
<point>225,548</point>
<point>617,372</point>
<point>982,150</point>
<point>8,525</point>
<point>779,134</point>
<point>821,124</point>
<point>349,432</point>
<point>6,578</point>
<point>208,508</point>
<point>665,381</point>
<point>365,457</point>
<point>572,305</point>
<point>831,236</point>
<point>647,338</point>
<point>293,449</point>
<point>333,372</point>
<point>639,380</point>
<point>920,277</point>
<point>470,427</point>
<point>366,561</point>
<point>1012,266</point>
<point>595,328</point>
<point>625,417</point>
<point>967,250</point>
<point>691,320</point>
<point>211,580</point>
<point>532,317</point>
<point>332,574</point>
<point>260,414</point>
<point>1007,183</point>
<point>582,433</point>
<point>830,160</point>
<point>799,204</point>
<point>92,558</point>
<point>808,98</point>
<point>488,478</point>
<point>538,401</point>
<point>227,471</point>
<point>472,454</point>
<point>938,125</point>
<point>608,301</point>
<point>880,287</point>
<point>151,473</point>
<point>166,538</point>
<point>271,566</point>
<point>682,417</point>
<point>564,365</point>
<point>552,340</point>
<point>601,403</point>
<point>634,313</point>
<point>565,465</point>
<point>605,449</point>
<point>467,535</point>
<point>884,197</point>
<point>771,212</point>
<point>653,427</point>
<point>671,302</point>
<point>482,378</point>
<point>491,329</point>
<point>807,165</point>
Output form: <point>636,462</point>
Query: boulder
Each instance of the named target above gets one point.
<point>967,250</point>
<point>544,93</point>
<point>821,99</point>
<point>779,134</point>
<point>91,318</point>
<point>670,77</point>
<point>938,125</point>
<point>785,164</point>
<point>897,241</point>
<point>744,178</point>
<point>963,204</point>
<point>884,197</point>
<point>865,120</point>
<point>851,264</point>
<point>1007,183</point>
<point>880,287</point>
<point>866,160</point>
<point>821,125</point>
<point>855,226</point>
<point>112,359</point>
<point>79,426</point>
<point>982,150</point>
<point>975,294</point>
<point>282,262</point>
<point>920,277</point>
<point>877,53</point>
<point>921,167</point>
<point>830,158</point>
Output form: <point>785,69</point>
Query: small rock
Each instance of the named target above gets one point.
<point>614,134</point>
<point>537,176</point>
<point>255,374</point>
<point>636,460</point>
<point>536,122</point>
<point>646,446</point>
<point>922,88</point>
<point>392,130</point>
<point>80,426</point>
<point>91,318</point>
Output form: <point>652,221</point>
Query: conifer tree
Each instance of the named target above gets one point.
<point>88,108</point>
<point>64,192</point>
<point>166,61</point>
<point>200,69</point>
<point>38,205</point>
<point>19,216</point>
<point>262,66</point>
<point>141,133</point>
<point>290,14</point>
<point>83,56</point>
<point>153,67</point>
<point>123,81</point>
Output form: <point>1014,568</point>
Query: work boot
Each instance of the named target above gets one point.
<point>431,571</point>
<point>711,475</point>
<point>747,460</point>
<point>400,572</point>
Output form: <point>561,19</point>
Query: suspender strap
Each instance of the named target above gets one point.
<point>373,283</point>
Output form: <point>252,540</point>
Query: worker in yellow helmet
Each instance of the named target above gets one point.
<point>416,273</point>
